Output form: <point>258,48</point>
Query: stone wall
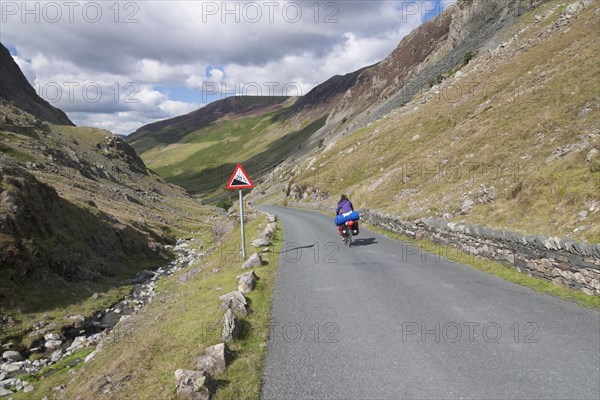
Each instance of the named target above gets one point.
<point>562,261</point>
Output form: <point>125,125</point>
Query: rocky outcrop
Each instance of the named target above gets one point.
<point>376,84</point>
<point>430,51</point>
<point>115,147</point>
<point>33,217</point>
<point>16,90</point>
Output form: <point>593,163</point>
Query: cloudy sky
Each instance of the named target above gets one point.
<point>121,65</point>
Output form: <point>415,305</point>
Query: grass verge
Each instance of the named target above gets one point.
<point>143,352</point>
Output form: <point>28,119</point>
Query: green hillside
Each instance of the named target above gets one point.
<point>201,160</point>
<point>508,141</point>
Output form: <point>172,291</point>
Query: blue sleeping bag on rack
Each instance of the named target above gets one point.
<point>343,218</point>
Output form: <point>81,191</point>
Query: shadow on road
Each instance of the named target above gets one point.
<point>294,247</point>
<point>364,242</point>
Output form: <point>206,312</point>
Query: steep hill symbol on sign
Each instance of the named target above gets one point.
<point>240,179</point>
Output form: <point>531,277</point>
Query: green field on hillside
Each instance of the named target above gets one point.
<point>203,160</point>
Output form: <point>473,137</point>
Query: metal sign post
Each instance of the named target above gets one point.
<point>242,225</point>
<point>240,180</point>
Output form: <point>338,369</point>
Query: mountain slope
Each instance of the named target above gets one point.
<point>70,194</point>
<point>175,129</point>
<point>199,150</point>
<point>15,90</point>
<point>344,102</point>
<point>79,213</point>
<point>509,140</point>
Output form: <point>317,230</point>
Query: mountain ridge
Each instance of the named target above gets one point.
<point>508,140</point>
<point>16,90</point>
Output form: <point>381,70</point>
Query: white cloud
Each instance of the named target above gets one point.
<point>151,59</point>
<point>174,108</point>
<point>26,68</point>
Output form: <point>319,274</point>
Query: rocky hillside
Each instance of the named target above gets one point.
<point>79,213</point>
<point>507,139</point>
<point>77,204</point>
<point>15,90</point>
<point>92,247</point>
<point>427,55</point>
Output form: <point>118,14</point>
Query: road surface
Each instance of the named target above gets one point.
<point>383,320</point>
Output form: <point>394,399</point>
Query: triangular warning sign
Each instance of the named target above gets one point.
<point>240,179</point>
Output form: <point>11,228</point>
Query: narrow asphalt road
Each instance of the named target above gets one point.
<point>383,320</point>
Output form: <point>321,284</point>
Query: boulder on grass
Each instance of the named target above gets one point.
<point>235,301</point>
<point>12,356</point>
<point>253,261</point>
<point>247,282</point>
<point>194,385</point>
<point>231,327</point>
<point>214,359</point>
<point>270,230</point>
<point>261,242</point>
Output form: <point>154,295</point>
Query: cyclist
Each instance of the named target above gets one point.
<point>344,206</point>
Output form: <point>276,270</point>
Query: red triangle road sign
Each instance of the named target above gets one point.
<point>240,179</point>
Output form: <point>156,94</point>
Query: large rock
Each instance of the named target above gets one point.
<point>51,336</point>
<point>253,261</point>
<point>231,327</point>
<point>270,230</point>
<point>12,356</point>
<point>214,359</point>
<point>55,356</point>
<point>235,301</point>
<point>9,368</point>
<point>78,343</point>
<point>194,385</point>
<point>53,341</point>
<point>247,282</point>
<point>295,192</point>
<point>260,242</point>
<point>52,344</point>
